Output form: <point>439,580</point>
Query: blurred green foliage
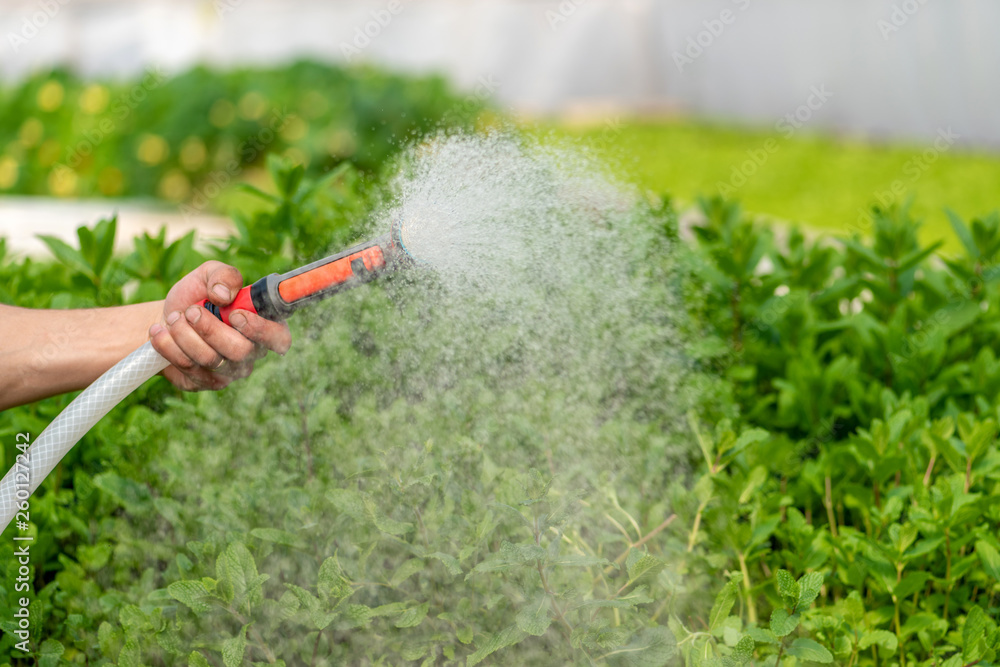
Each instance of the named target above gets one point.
<point>813,178</point>
<point>186,137</point>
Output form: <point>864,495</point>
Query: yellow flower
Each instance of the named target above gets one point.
<point>50,96</point>
<point>314,104</point>
<point>297,156</point>
<point>222,113</point>
<point>110,181</point>
<point>153,149</point>
<point>31,132</point>
<point>94,99</point>
<point>48,152</point>
<point>341,143</point>
<point>62,182</point>
<point>174,186</point>
<point>252,105</point>
<point>8,172</point>
<point>193,153</point>
<point>295,128</point>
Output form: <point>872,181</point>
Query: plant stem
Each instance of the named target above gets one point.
<point>319,633</point>
<point>751,606</point>
<point>828,501</point>
<point>947,572</point>
<point>545,583</point>
<point>968,473</point>
<point>306,444</point>
<point>694,528</point>
<point>930,468</point>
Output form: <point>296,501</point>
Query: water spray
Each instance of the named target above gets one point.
<point>273,297</point>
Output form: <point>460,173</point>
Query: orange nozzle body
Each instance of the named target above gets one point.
<point>330,275</point>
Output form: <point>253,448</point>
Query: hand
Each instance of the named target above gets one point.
<point>205,353</point>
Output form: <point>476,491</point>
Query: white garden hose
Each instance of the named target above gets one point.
<point>72,424</point>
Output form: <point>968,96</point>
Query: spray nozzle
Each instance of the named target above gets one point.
<point>277,296</point>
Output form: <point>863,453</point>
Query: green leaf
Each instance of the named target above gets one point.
<point>883,638</point>
<point>810,650</point>
<point>989,557</point>
<point>809,588</point>
<point>109,639</point>
<point>651,647</point>
<point>236,567</point>
<point>747,438</point>
<point>723,605</point>
<point>910,584</point>
<point>974,635</point>
<point>412,616</point>
<point>743,651</point>
<point>788,588</point>
<point>450,562</point>
<point>963,233</point>
<point>331,585</point>
<point>580,561</point>
<point>234,648</point>
<point>191,593</point>
<point>635,597</point>
<point>278,537</point>
<point>67,255</point>
<point>196,659</point>
<point>49,653</point>
<point>506,637</point>
<point>703,444</point>
<point>317,616</point>
<point>783,623</point>
<point>646,566</point>
<point>534,618</point>
<point>405,571</point>
<point>854,609</point>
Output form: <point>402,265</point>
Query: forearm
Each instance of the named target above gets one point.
<point>49,352</point>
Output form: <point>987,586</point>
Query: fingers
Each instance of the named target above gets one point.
<point>213,280</point>
<point>207,340</point>
<point>197,344</point>
<point>274,336</point>
<point>222,281</point>
<point>183,372</point>
<point>211,382</point>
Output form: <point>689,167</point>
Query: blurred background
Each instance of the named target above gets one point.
<point>806,112</point>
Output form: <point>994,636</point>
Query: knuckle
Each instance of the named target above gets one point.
<point>184,362</point>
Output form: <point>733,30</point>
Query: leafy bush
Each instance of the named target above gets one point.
<point>828,500</point>
<point>184,138</point>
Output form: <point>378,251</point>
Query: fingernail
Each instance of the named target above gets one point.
<point>238,320</point>
<point>193,314</point>
<point>155,330</point>
<point>222,292</point>
<point>173,317</point>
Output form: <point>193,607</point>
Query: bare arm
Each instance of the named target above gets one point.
<point>49,352</point>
